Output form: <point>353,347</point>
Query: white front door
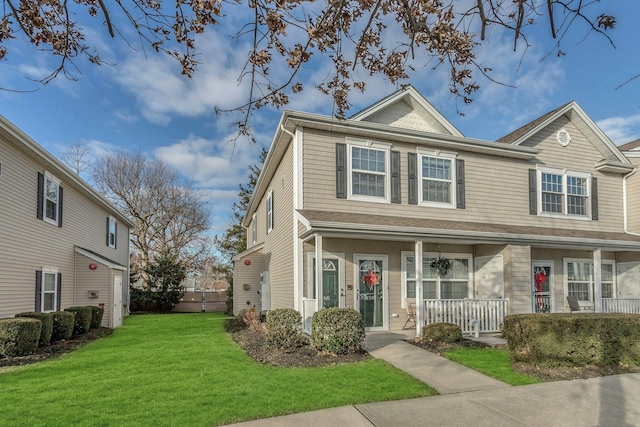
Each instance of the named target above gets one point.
<point>372,291</point>
<point>117,301</point>
<point>542,287</point>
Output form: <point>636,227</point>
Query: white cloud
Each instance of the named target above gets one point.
<point>621,129</point>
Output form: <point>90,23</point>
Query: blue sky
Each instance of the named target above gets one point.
<point>144,103</point>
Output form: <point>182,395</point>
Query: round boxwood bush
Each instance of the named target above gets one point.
<point>62,325</point>
<point>96,316</point>
<point>282,328</point>
<point>442,332</point>
<point>47,325</point>
<point>337,331</point>
<point>82,321</point>
<point>19,336</point>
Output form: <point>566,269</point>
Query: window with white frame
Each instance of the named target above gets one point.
<point>369,170</point>
<point>51,199</point>
<point>49,290</point>
<point>437,178</point>
<point>563,192</point>
<point>254,229</point>
<point>579,279</point>
<point>270,211</point>
<point>455,285</point>
<point>111,232</point>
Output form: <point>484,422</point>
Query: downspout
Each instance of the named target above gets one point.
<point>624,202</point>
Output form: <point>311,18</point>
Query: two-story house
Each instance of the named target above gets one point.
<point>396,204</point>
<point>62,244</point>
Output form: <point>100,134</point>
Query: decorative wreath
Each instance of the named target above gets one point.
<point>371,278</point>
<point>442,266</point>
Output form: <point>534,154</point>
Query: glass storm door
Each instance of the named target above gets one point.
<point>372,298</point>
<point>542,287</point>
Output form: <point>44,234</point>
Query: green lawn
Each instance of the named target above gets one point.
<point>182,370</point>
<point>494,362</point>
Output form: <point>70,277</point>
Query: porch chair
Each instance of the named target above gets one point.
<point>573,303</point>
<point>411,311</point>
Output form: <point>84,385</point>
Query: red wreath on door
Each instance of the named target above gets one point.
<point>371,278</point>
<point>540,277</point>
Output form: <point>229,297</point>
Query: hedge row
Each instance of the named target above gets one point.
<point>22,335</point>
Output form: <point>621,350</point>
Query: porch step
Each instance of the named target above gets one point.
<point>445,376</point>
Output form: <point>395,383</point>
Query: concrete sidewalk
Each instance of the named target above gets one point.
<point>470,398</point>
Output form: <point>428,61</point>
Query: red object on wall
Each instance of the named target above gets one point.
<point>539,278</point>
<point>247,262</point>
<point>93,266</point>
<point>371,278</point>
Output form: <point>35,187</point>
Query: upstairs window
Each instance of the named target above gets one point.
<point>368,174</point>
<point>437,179</point>
<point>112,232</point>
<point>270,211</point>
<point>564,193</point>
<point>49,199</point>
<point>254,229</point>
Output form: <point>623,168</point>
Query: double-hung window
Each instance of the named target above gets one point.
<point>369,171</point>
<point>580,283</point>
<point>270,211</point>
<point>49,199</point>
<point>564,193</point>
<point>437,183</point>
<point>254,229</point>
<point>454,285</point>
<point>47,290</point>
<point>112,230</point>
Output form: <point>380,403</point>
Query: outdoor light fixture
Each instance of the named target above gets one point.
<point>93,266</point>
<point>247,262</point>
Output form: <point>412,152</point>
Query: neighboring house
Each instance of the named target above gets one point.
<point>61,243</point>
<point>524,221</point>
<point>632,187</point>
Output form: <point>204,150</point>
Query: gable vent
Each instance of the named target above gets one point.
<point>563,137</point>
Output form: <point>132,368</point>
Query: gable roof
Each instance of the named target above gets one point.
<point>24,143</point>
<point>630,146</point>
<point>573,111</point>
<point>99,258</point>
<point>407,108</point>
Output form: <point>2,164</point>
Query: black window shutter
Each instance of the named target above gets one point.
<point>40,212</point>
<point>59,206</point>
<point>533,192</point>
<point>460,202</point>
<point>59,292</point>
<point>395,177</point>
<point>341,171</point>
<point>38,291</point>
<point>413,178</point>
<point>594,199</point>
<point>108,232</point>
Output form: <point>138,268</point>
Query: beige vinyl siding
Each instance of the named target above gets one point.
<point>28,243</point>
<point>518,278</point>
<point>249,275</point>
<point>278,244</point>
<point>403,115</point>
<point>633,202</point>
<point>497,189</point>
<point>94,280</point>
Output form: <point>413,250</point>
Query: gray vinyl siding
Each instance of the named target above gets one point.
<point>244,299</point>
<point>278,244</point>
<point>28,244</point>
<point>94,280</point>
<point>497,188</point>
<point>518,275</point>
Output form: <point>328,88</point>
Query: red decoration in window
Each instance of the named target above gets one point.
<point>371,278</point>
<point>540,278</point>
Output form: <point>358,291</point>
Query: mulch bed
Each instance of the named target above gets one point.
<point>57,349</point>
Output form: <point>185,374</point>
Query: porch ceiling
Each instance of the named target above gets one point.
<point>380,227</point>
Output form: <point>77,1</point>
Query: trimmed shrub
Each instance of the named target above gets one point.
<point>337,331</point>
<point>47,325</point>
<point>96,316</point>
<point>82,320</point>
<point>578,339</point>
<point>62,325</point>
<point>442,332</point>
<point>282,328</point>
<point>19,336</point>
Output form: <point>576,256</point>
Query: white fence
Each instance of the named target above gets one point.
<point>308,308</point>
<point>489,313</point>
<point>621,305</point>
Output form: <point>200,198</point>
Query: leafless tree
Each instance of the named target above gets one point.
<point>76,157</point>
<point>168,213</point>
<point>352,34</point>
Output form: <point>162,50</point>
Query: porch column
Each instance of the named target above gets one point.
<point>318,272</point>
<point>419,286</point>
<point>597,280</point>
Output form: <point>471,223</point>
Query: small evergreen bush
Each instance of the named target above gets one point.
<point>47,325</point>
<point>282,328</point>
<point>19,336</point>
<point>82,320</point>
<point>337,331</point>
<point>62,325</point>
<point>96,316</point>
<point>442,332</point>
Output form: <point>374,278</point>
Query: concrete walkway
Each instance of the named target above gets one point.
<point>469,398</point>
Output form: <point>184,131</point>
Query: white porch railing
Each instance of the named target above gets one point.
<point>621,305</point>
<point>308,308</point>
<point>489,313</point>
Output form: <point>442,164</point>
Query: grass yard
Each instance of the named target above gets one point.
<point>494,362</point>
<point>182,370</point>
